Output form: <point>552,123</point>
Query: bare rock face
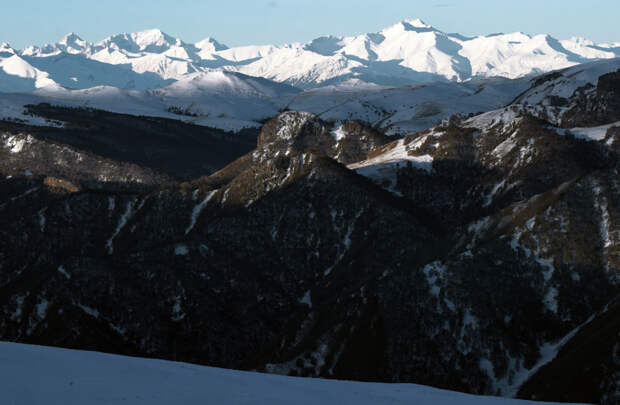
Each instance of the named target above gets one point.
<point>458,257</point>
<point>349,142</point>
<point>594,106</point>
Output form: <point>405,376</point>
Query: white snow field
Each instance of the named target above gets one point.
<point>232,101</point>
<point>402,79</point>
<point>226,100</point>
<point>407,109</point>
<point>36,375</point>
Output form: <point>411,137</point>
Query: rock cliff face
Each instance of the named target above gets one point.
<point>466,256</point>
<point>594,106</point>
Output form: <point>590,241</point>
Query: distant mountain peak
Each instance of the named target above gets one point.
<point>72,43</point>
<point>70,37</point>
<point>156,37</point>
<point>152,35</point>
<point>211,44</point>
<point>410,25</point>
<point>151,40</point>
<point>417,23</point>
<point>152,31</point>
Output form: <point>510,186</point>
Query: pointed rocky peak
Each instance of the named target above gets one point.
<point>6,50</point>
<point>417,23</point>
<point>152,40</point>
<point>72,43</point>
<point>152,36</point>
<point>289,129</point>
<point>410,25</point>
<point>30,50</point>
<point>294,132</point>
<point>297,132</point>
<point>71,38</point>
<point>210,44</point>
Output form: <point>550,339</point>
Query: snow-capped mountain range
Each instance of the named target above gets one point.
<point>408,52</point>
<point>206,83</point>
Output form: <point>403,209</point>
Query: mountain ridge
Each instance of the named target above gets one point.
<point>409,51</point>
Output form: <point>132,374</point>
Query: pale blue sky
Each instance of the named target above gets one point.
<point>249,22</point>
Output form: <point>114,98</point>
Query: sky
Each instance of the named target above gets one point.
<point>256,22</point>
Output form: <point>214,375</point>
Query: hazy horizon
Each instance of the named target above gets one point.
<point>284,21</point>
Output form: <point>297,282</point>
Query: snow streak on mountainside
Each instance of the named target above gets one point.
<point>75,377</point>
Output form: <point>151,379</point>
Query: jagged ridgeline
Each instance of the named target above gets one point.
<point>480,255</point>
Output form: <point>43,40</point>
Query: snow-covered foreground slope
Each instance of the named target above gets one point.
<point>36,375</point>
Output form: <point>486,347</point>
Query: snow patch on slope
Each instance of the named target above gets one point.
<point>198,209</point>
<point>593,133</point>
<point>121,224</point>
<point>399,153</point>
<point>383,168</point>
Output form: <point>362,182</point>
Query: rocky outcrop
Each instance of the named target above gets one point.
<point>593,106</point>
<point>348,142</point>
